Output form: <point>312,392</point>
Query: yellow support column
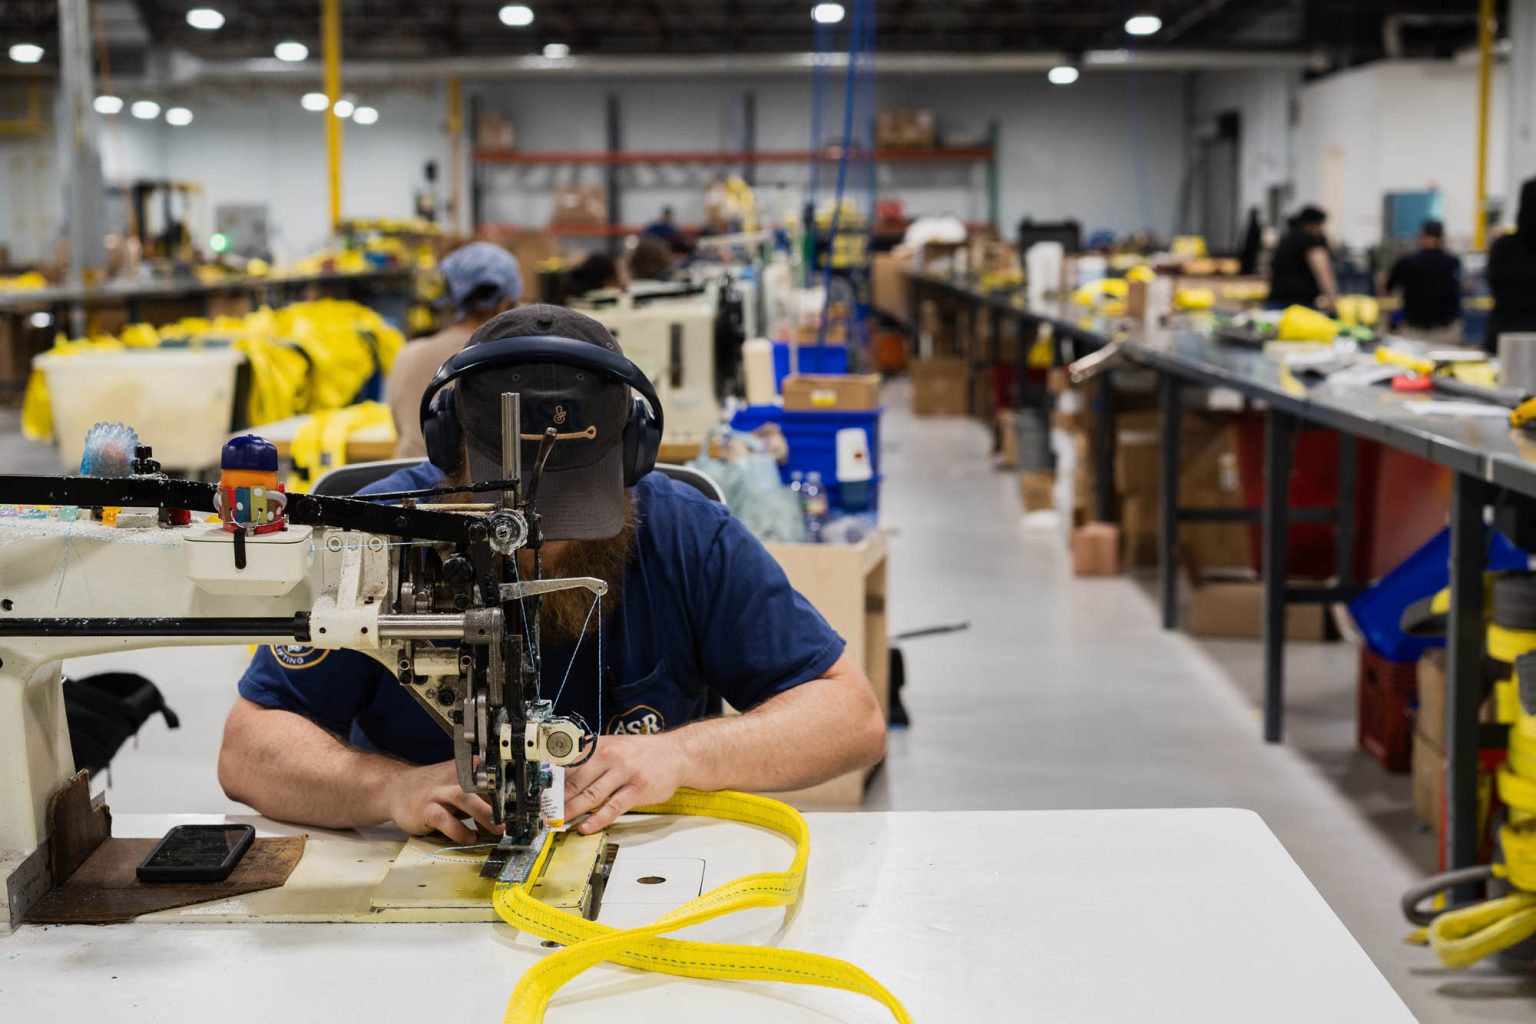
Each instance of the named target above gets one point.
<point>330,45</point>
<point>1484,74</point>
<point>455,154</point>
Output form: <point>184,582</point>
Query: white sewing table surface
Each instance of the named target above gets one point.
<point>1182,916</point>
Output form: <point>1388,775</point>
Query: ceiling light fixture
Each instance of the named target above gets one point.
<point>205,18</point>
<point>290,51</point>
<point>26,53</point>
<point>145,110</point>
<point>41,319</point>
<point>315,101</point>
<point>556,51</point>
<point>108,105</point>
<point>1143,25</point>
<point>516,15</point>
<point>178,116</point>
<point>344,108</point>
<point>1063,74</point>
<point>365,115</point>
<point>827,14</point>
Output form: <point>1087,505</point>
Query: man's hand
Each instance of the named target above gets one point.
<point>428,798</point>
<point>624,772</point>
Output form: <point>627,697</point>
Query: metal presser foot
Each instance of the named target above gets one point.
<point>574,877</point>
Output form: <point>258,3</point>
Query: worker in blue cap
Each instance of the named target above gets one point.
<point>481,280</point>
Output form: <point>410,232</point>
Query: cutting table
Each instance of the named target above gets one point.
<point>1182,916</point>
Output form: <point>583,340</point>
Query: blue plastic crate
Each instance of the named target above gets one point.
<point>1379,611</point>
<point>813,359</point>
<point>812,438</point>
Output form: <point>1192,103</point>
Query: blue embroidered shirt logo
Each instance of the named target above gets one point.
<point>293,656</point>
<point>640,720</point>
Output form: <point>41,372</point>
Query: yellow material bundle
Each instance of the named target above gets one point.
<point>307,357</point>
<point>1298,323</point>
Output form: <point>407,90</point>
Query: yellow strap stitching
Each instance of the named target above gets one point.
<point>588,943</point>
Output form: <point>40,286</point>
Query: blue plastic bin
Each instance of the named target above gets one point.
<point>813,359</point>
<point>812,438</point>
<point>1379,611</point>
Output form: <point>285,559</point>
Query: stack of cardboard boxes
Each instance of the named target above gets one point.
<point>899,128</point>
<point>1428,765</point>
<point>938,381</point>
<point>1216,559</point>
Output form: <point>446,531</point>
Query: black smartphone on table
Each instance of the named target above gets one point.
<point>197,853</point>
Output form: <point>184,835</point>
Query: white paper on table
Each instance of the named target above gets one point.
<point>1431,407</point>
<point>1366,374</point>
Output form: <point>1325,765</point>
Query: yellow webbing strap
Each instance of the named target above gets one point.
<point>1507,644</point>
<point>1463,937</point>
<point>588,943</point>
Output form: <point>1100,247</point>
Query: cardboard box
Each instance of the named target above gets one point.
<point>1208,478</point>
<point>531,248</point>
<point>888,283</point>
<point>846,583</point>
<point>1005,440</point>
<point>1037,490</point>
<point>1430,719</point>
<point>1138,453</point>
<point>1235,609</point>
<point>580,205</point>
<point>900,128</point>
<point>843,392</point>
<point>1138,529</point>
<point>1096,550</point>
<point>494,131</point>
<point>938,386</point>
<point>1428,770</point>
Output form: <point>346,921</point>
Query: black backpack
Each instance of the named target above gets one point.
<point>105,710</point>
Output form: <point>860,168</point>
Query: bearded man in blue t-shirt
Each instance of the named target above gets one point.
<point>696,606</point>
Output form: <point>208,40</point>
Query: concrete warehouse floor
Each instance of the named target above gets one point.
<point>1063,693</point>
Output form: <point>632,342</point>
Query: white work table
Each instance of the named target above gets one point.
<point>1182,916</point>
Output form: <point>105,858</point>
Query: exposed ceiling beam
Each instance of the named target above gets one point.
<point>186,71</point>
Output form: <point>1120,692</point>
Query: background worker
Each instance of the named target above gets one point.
<point>1512,274</point>
<point>481,280</point>
<point>597,272</point>
<point>695,604</point>
<point>1301,270</point>
<point>1430,280</point>
<point>650,260</point>
<point>662,229</point>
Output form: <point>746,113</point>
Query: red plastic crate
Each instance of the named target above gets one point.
<point>1386,696</point>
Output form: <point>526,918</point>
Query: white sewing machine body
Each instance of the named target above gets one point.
<point>671,338</point>
<point>430,611</point>
<point>339,578</point>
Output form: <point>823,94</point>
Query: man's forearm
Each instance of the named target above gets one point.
<point>289,768</point>
<point>803,736</point>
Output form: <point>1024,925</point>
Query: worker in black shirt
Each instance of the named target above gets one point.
<point>1301,270</point>
<point>1430,281</point>
<point>1512,274</point>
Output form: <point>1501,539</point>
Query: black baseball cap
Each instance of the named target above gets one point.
<point>581,495</point>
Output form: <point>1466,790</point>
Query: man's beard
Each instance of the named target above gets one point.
<point>563,614</point>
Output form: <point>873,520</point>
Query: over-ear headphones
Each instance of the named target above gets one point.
<point>440,425</point>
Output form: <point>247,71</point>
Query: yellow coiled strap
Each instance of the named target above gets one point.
<point>588,943</point>
<point>1463,937</point>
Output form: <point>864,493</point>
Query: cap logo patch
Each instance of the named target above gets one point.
<point>560,416</point>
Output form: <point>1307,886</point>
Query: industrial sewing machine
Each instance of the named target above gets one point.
<point>430,590</point>
<point>670,336</point>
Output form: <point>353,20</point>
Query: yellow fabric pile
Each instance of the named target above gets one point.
<point>31,281</point>
<point>307,357</point>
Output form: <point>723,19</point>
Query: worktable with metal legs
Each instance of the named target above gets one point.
<point>1470,450</point>
<point>1196,916</point>
<point>1488,462</point>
